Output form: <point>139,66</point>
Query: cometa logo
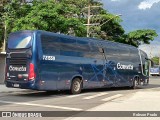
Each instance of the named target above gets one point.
<point>124,67</point>
<point>11,68</point>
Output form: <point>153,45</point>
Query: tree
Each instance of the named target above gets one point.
<point>155,60</point>
<point>51,16</point>
<point>2,4</point>
<point>139,37</point>
<point>62,16</point>
<point>10,11</point>
<point>112,30</point>
<point>68,17</point>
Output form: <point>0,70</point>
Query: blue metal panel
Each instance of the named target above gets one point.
<point>79,57</point>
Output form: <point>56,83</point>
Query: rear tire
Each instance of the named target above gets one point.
<point>135,83</point>
<point>76,86</point>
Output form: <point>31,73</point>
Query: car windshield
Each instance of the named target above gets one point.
<point>156,66</point>
<point>20,40</point>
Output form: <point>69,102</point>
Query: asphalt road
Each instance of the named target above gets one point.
<point>27,100</point>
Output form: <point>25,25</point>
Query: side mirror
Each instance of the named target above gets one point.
<point>140,67</point>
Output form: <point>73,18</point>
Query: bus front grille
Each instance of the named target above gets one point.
<point>18,61</point>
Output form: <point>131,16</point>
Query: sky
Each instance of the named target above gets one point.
<point>138,14</point>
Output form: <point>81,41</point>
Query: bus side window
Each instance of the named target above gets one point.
<point>93,46</point>
<point>83,48</point>
<point>50,45</point>
<point>111,52</point>
<point>68,47</point>
<point>133,57</point>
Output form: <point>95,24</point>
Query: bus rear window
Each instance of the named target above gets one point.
<point>19,40</point>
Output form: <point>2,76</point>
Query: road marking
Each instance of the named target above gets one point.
<point>40,105</point>
<point>72,96</point>
<point>94,96</point>
<point>112,97</point>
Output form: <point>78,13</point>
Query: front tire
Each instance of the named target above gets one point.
<point>76,86</point>
<point>135,84</point>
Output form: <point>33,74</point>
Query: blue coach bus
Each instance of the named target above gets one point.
<point>42,60</point>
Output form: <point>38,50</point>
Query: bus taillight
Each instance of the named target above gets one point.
<point>32,74</point>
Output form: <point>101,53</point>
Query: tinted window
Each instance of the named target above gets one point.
<point>83,46</point>
<point>50,44</point>
<point>134,55</point>
<point>123,53</point>
<point>111,51</point>
<point>94,55</point>
<point>20,40</point>
<point>94,51</point>
<point>68,47</point>
<point>58,45</point>
<point>93,46</point>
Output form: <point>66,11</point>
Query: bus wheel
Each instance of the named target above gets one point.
<point>76,86</point>
<point>135,83</point>
<point>147,81</point>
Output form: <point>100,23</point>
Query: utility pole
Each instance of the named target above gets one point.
<point>88,19</point>
<point>110,19</point>
<point>89,15</point>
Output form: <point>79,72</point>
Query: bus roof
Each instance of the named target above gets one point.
<point>78,38</point>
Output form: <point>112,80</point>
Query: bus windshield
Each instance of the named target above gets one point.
<point>20,40</point>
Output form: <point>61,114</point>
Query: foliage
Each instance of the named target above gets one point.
<point>50,16</point>
<point>155,60</point>
<point>2,4</point>
<point>138,37</point>
<point>11,10</point>
<point>112,30</point>
<point>68,17</point>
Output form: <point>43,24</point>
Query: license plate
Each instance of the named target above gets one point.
<point>15,85</point>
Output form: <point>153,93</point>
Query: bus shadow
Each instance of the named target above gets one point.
<point>32,93</point>
<point>108,89</point>
<point>49,94</point>
<point>40,94</point>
